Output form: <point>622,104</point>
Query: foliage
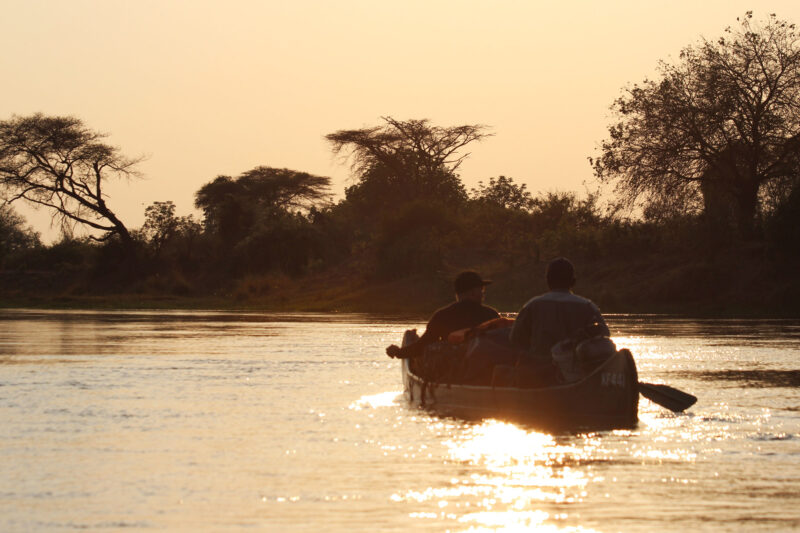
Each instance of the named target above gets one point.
<point>490,226</point>
<point>406,182</point>
<point>171,240</point>
<point>558,209</point>
<point>288,242</point>
<point>404,161</point>
<point>413,240</point>
<point>261,219</point>
<point>67,257</point>
<point>58,163</point>
<point>381,190</point>
<point>160,224</point>
<point>231,207</point>
<point>504,193</point>
<point>15,236</point>
<point>565,224</point>
<point>717,126</point>
<point>410,148</point>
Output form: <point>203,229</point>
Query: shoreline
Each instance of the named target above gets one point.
<point>685,285</point>
<point>123,302</point>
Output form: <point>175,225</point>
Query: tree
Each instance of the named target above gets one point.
<point>15,236</point>
<point>261,218</point>
<point>718,126</point>
<point>284,189</point>
<point>161,226</point>
<point>59,163</point>
<point>504,193</point>
<point>403,161</point>
<point>553,210</point>
<point>232,206</point>
<point>381,189</point>
<point>429,147</point>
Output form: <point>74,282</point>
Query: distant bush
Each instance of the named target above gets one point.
<point>15,237</point>
<point>411,240</point>
<point>68,254</point>
<point>287,242</point>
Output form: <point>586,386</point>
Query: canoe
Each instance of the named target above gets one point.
<point>607,398</point>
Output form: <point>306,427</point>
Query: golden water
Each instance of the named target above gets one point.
<point>187,421</point>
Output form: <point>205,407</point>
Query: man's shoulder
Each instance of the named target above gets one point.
<point>445,311</point>
<point>480,308</point>
<point>558,296</point>
<point>465,306</point>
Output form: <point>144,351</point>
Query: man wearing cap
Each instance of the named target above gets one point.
<point>466,312</point>
<point>555,315</point>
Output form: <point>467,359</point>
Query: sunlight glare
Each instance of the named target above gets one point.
<point>515,472</point>
<point>374,401</point>
<point>523,521</point>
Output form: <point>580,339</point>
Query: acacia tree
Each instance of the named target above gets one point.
<point>400,161</point>
<point>59,163</point>
<point>434,147</point>
<point>717,127</point>
<point>260,219</point>
<point>406,187</point>
<point>232,206</point>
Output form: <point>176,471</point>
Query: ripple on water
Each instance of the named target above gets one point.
<point>184,421</point>
<point>750,378</point>
<point>773,437</point>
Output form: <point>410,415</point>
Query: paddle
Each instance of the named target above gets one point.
<point>666,396</point>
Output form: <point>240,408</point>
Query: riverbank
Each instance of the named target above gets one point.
<point>740,284</point>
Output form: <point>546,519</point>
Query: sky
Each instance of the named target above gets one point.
<point>205,88</point>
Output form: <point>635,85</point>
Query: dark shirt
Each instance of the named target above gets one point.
<point>551,318</point>
<point>458,315</point>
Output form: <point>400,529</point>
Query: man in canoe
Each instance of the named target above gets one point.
<point>555,315</point>
<point>466,312</point>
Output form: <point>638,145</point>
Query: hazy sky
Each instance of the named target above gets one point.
<point>207,88</point>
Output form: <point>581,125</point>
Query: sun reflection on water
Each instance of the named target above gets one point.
<point>374,401</point>
<point>520,479</point>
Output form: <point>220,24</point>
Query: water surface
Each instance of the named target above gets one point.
<point>238,421</point>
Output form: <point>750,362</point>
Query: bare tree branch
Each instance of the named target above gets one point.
<point>727,112</point>
<point>58,163</point>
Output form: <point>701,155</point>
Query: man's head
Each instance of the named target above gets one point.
<point>469,286</point>
<point>560,274</point>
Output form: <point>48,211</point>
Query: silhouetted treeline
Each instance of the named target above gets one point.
<point>276,224</point>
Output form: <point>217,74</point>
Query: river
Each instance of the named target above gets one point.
<point>224,421</point>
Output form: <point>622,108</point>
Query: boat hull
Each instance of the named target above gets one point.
<point>606,398</point>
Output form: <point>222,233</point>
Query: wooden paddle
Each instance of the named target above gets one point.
<point>673,399</point>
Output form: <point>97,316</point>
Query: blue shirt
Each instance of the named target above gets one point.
<point>552,317</point>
